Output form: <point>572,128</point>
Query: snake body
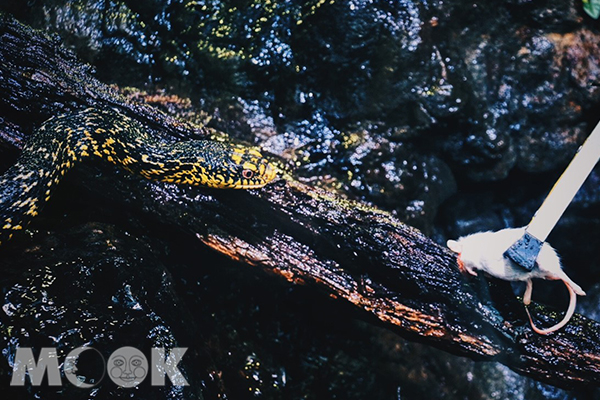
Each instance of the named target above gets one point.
<point>61,142</point>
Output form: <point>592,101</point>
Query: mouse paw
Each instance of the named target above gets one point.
<point>465,270</point>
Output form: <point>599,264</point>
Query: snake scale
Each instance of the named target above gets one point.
<point>63,141</point>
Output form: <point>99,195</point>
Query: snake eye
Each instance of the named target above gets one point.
<point>247,174</point>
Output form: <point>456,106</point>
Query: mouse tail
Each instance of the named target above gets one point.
<point>573,285</point>
<point>567,317</point>
<point>564,277</point>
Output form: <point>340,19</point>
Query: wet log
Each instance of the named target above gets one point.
<point>390,272</point>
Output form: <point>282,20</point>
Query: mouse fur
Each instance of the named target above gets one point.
<point>484,251</point>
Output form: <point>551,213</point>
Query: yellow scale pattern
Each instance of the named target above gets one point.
<point>61,142</point>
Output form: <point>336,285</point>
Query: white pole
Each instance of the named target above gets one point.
<point>566,187</point>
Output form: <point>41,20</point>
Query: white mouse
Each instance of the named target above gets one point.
<point>484,251</point>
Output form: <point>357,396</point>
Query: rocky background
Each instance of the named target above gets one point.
<point>455,116</point>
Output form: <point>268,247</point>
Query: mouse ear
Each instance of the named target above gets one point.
<point>454,246</point>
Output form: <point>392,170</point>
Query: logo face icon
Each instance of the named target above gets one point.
<point>79,367</point>
<point>85,367</point>
<point>127,367</point>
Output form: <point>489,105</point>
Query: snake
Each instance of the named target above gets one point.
<point>63,141</point>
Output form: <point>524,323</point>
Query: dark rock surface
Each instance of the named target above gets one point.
<point>456,117</point>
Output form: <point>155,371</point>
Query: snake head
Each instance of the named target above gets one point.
<point>240,168</point>
<point>211,163</point>
<point>250,169</point>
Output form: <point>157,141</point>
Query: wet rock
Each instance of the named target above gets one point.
<point>540,151</point>
<point>536,90</point>
<point>482,155</point>
<point>578,53</point>
<point>387,102</point>
<point>592,306</point>
<point>588,196</point>
<point>560,98</point>
<point>100,31</point>
<point>496,90</point>
<point>395,177</point>
<point>548,14</point>
<point>93,286</point>
<point>474,212</point>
